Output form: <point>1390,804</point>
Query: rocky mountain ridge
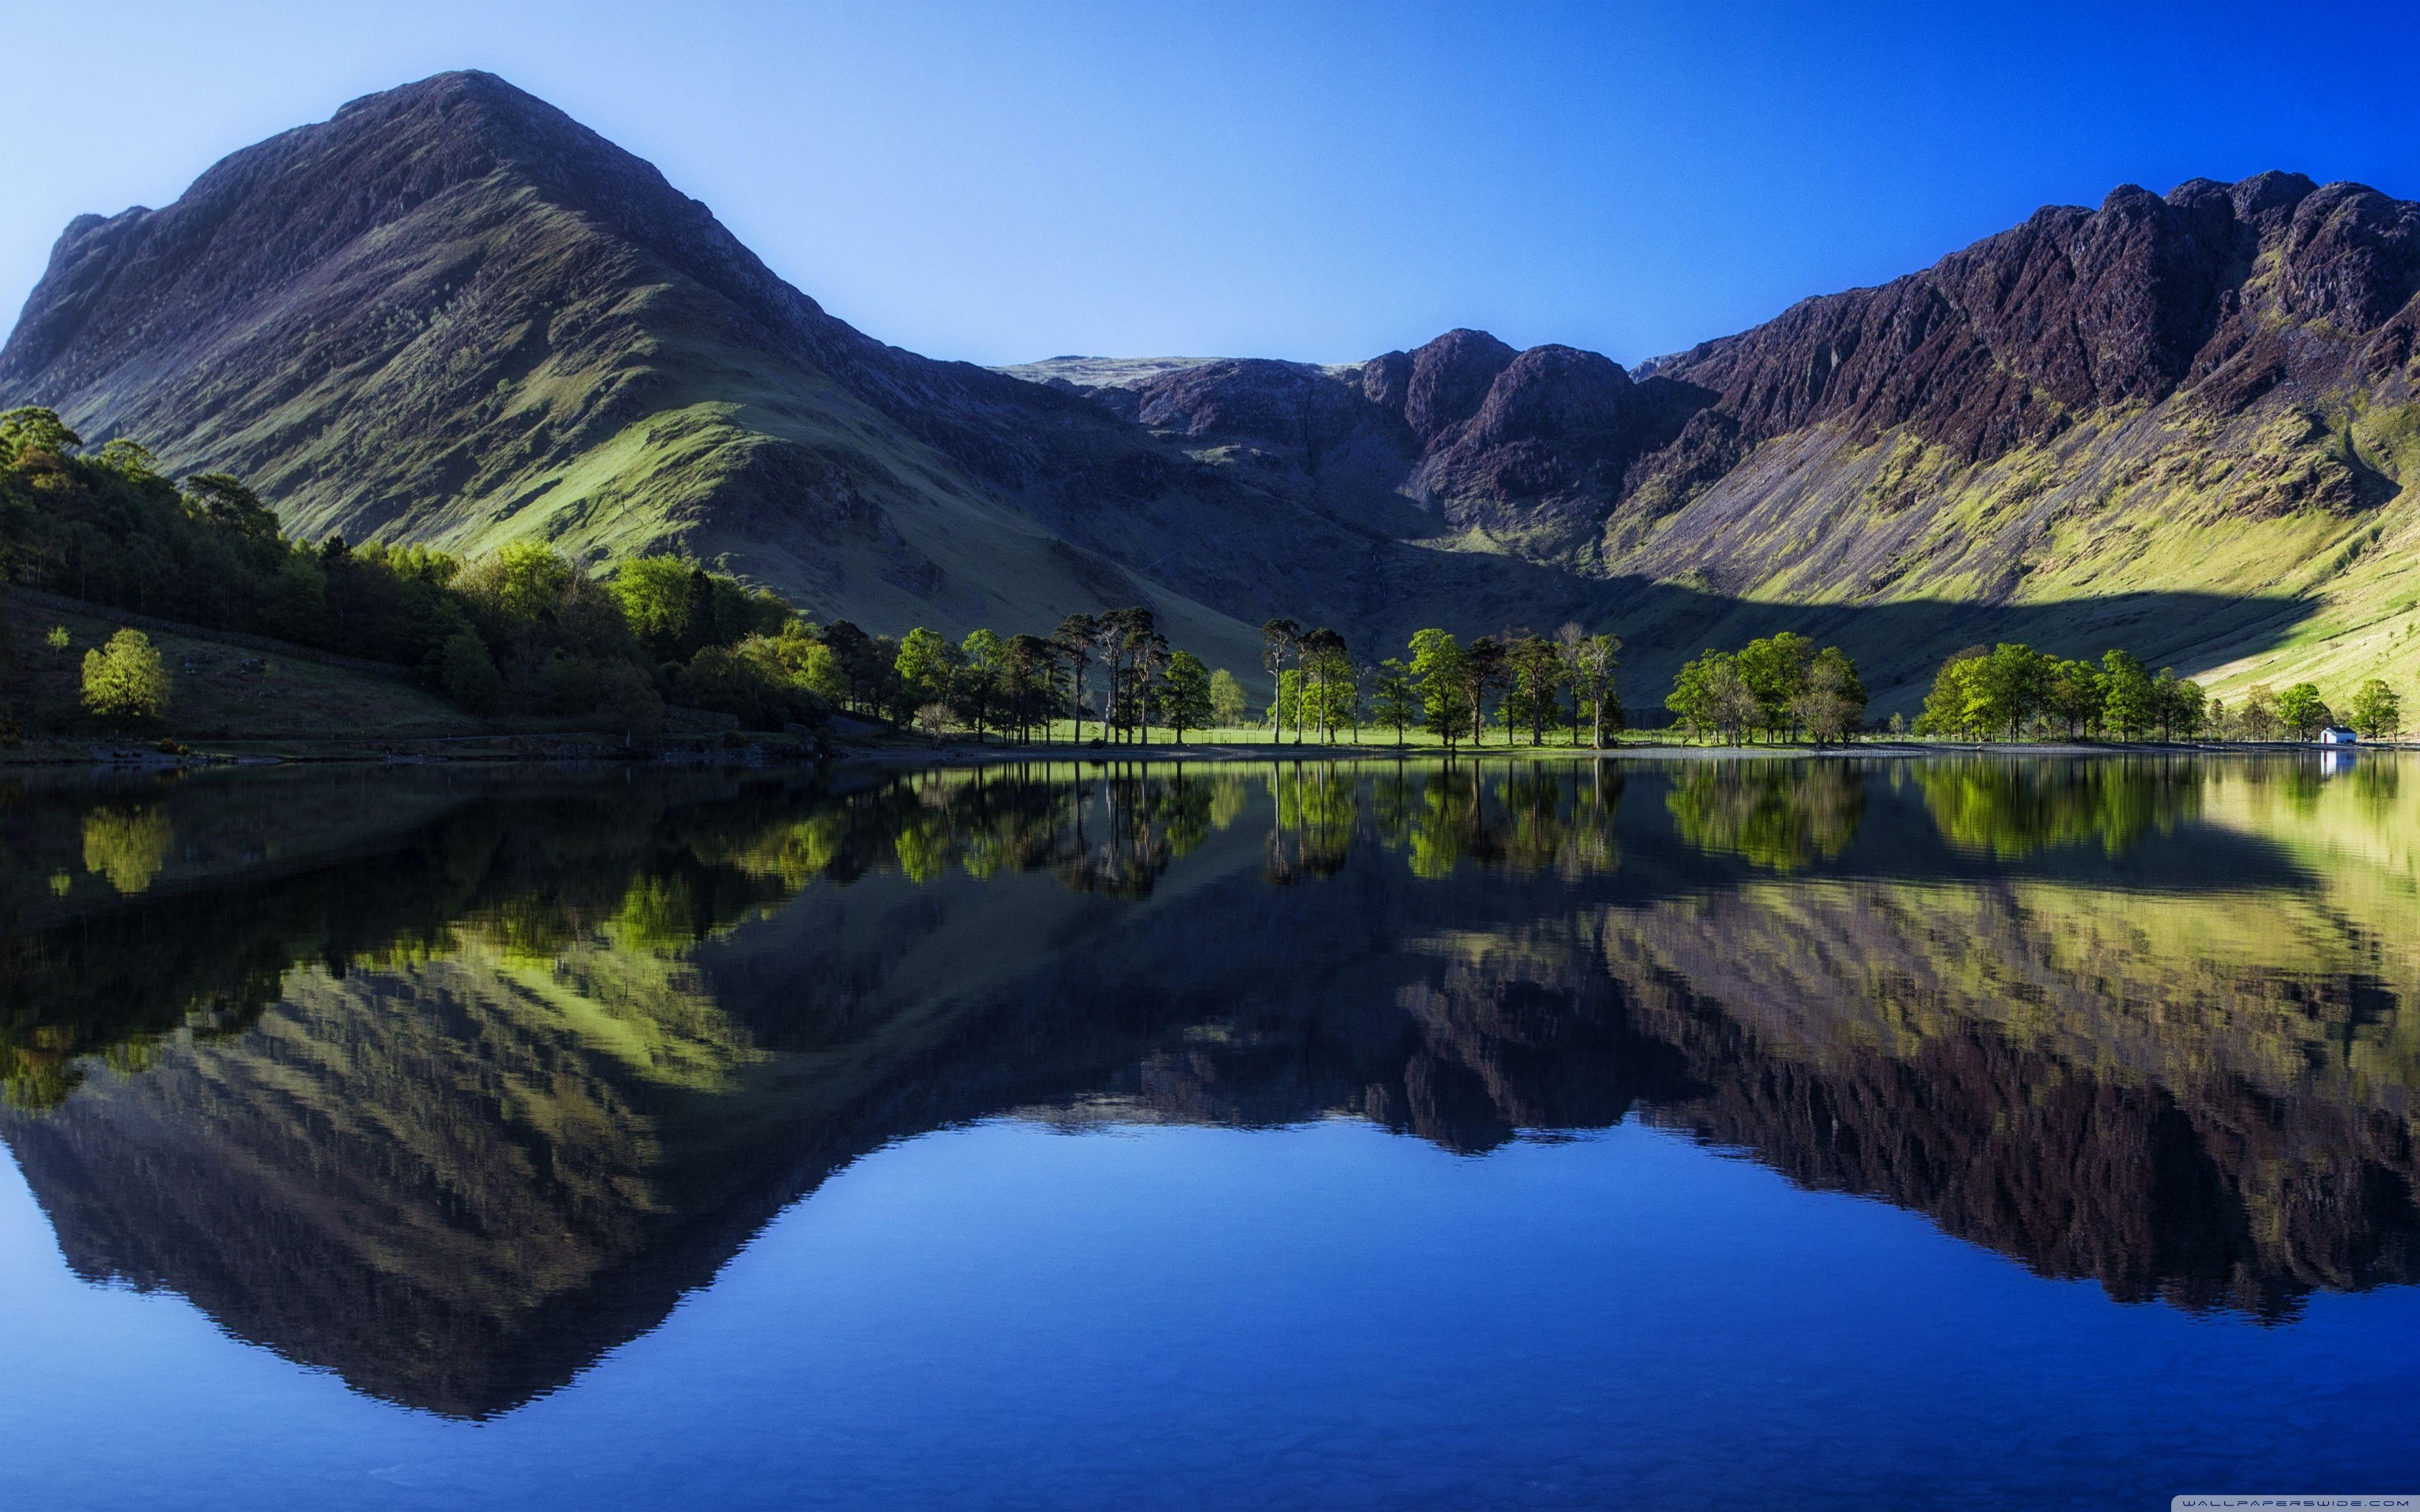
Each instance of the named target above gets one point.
<point>451,314</point>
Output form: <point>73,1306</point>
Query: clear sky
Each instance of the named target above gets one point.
<point>1002,182</point>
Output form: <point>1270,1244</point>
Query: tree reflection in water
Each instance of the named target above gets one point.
<point>452,1097</point>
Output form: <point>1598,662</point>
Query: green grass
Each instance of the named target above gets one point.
<point>212,696</point>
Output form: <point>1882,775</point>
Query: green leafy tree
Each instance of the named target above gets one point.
<point>1589,662</point>
<point>2376,711</point>
<point>1954,695</point>
<point>2303,712</point>
<point>1535,676</point>
<point>1486,670</point>
<point>125,682</point>
<point>1330,692</point>
<point>668,603</point>
<point>1027,667</point>
<point>2180,704</point>
<point>820,672</point>
<point>32,428</point>
<point>1279,639</point>
<point>128,456</point>
<point>2074,696</point>
<point>2259,717</point>
<point>975,690</point>
<point>1711,696</point>
<point>627,700</point>
<point>2129,702</point>
<point>226,503</point>
<point>2010,688</point>
<point>1775,669</point>
<point>1832,706</point>
<point>1228,703</point>
<point>1441,668</point>
<point>1139,658</point>
<point>1394,696</point>
<point>1185,700</point>
<point>925,666</point>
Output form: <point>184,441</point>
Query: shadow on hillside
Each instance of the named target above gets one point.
<point>1898,644</point>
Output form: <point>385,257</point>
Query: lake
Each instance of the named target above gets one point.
<point>1954,1132</point>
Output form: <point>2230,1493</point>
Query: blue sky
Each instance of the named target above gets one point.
<point>1005,181</point>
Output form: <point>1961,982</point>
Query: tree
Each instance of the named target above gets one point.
<point>821,673</point>
<point>1536,672</point>
<point>32,428</point>
<point>1833,705</point>
<point>2074,696</point>
<point>2179,705</point>
<point>1589,661</point>
<point>1026,689</point>
<point>2376,711</point>
<point>463,671</point>
<point>1132,652</point>
<point>1279,639</point>
<point>975,691</point>
<point>1228,703</point>
<point>1394,696</point>
<point>1442,669</point>
<point>2303,711</point>
<point>627,700</point>
<point>2259,716</point>
<point>1486,671</point>
<point>1073,641</point>
<point>925,665</point>
<point>1185,700</point>
<point>2127,700</point>
<point>225,501</point>
<point>2012,685</point>
<point>129,458</point>
<point>1949,708</point>
<point>668,603</point>
<point>124,681</point>
<point>1711,696</point>
<point>1328,691</point>
<point>1775,669</point>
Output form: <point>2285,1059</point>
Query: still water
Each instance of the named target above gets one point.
<point>1833,1134</point>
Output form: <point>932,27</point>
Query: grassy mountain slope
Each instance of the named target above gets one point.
<point>452,314</point>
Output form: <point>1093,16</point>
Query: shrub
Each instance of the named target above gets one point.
<point>124,681</point>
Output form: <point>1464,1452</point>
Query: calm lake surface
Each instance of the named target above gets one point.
<point>1952,1132</point>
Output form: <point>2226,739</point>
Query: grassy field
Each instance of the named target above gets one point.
<point>218,690</point>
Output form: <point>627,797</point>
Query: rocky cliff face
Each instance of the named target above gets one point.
<point>2226,291</point>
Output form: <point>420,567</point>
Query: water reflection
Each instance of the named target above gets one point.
<point>1784,817</point>
<point>449,1083</point>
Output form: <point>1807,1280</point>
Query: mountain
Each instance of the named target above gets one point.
<point>2211,391</point>
<point>451,314</point>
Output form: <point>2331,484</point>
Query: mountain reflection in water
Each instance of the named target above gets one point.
<point>449,1083</point>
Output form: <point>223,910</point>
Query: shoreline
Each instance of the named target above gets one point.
<point>1259,754</point>
<point>570,750</point>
